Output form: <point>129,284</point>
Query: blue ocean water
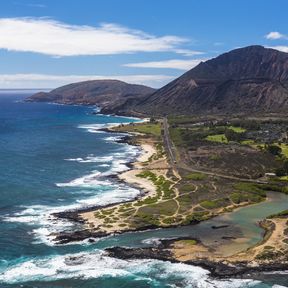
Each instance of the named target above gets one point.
<point>54,158</point>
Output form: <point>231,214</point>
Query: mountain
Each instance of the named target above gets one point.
<point>246,80</point>
<point>104,93</point>
<point>249,79</point>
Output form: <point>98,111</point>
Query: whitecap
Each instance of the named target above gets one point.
<point>96,264</point>
<point>104,165</point>
<point>90,180</point>
<point>114,138</point>
<point>152,241</point>
<point>91,159</point>
<point>45,225</point>
<point>95,128</point>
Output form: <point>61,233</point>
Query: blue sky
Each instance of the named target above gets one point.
<point>48,43</point>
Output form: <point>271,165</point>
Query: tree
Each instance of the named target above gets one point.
<point>234,136</point>
<point>274,149</point>
<point>282,171</point>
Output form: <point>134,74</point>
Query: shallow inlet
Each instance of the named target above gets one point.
<point>240,229</point>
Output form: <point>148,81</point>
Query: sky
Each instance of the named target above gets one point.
<point>50,43</point>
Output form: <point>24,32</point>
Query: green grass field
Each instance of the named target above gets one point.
<point>220,138</point>
<point>237,129</point>
<point>284,148</point>
<point>145,128</point>
<point>195,176</point>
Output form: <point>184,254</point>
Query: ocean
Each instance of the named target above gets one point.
<point>54,158</point>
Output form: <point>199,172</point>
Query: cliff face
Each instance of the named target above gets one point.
<point>243,80</point>
<point>105,93</point>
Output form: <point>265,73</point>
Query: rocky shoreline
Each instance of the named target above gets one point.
<point>164,251</point>
<point>75,215</point>
<point>217,269</point>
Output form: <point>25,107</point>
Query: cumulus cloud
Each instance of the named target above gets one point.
<point>173,64</point>
<point>50,37</point>
<point>8,81</point>
<point>275,35</point>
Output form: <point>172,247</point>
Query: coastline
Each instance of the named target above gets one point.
<point>239,264</point>
<point>146,187</point>
<point>193,252</point>
<point>84,215</point>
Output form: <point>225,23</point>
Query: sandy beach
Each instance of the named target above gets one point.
<point>143,162</point>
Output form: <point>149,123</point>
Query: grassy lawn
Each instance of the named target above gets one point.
<point>251,188</point>
<point>237,129</point>
<point>176,136</point>
<point>240,197</point>
<point>188,241</point>
<point>248,142</point>
<point>284,148</point>
<point>145,128</point>
<point>220,138</point>
<point>212,204</point>
<point>195,176</point>
<point>186,188</point>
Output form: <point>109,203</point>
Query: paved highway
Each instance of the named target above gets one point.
<point>168,143</point>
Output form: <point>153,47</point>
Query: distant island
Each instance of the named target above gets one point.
<point>216,140</point>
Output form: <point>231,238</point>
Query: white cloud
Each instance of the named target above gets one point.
<point>187,52</point>
<point>275,35</point>
<point>280,48</point>
<point>13,81</point>
<point>47,36</point>
<point>174,64</point>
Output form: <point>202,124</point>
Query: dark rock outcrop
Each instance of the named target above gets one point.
<point>216,268</point>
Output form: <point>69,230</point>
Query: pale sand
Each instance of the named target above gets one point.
<point>148,151</point>
<point>274,240</point>
<point>130,177</point>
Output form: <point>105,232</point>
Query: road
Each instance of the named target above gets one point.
<point>171,151</point>
<point>168,143</point>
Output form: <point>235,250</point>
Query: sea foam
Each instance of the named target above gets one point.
<point>96,264</point>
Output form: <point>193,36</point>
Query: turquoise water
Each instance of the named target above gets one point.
<point>54,158</point>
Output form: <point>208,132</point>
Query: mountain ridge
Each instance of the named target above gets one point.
<point>245,80</point>
<point>104,93</point>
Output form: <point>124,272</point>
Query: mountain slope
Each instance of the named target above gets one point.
<point>248,79</point>
<point>105,93</point>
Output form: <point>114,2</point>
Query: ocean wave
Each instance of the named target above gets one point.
<point>87,181</point>
<point>97,264</point>
<point>95,128</point>
<point>91,159</point>
<point>152,241</point>
<point>94,189</point>
<point>117,163</point>
<point>44,224</point>
<point>115,138</point>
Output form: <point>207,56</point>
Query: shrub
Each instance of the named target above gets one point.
<point>195,176</point>
<point>274,149</point>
